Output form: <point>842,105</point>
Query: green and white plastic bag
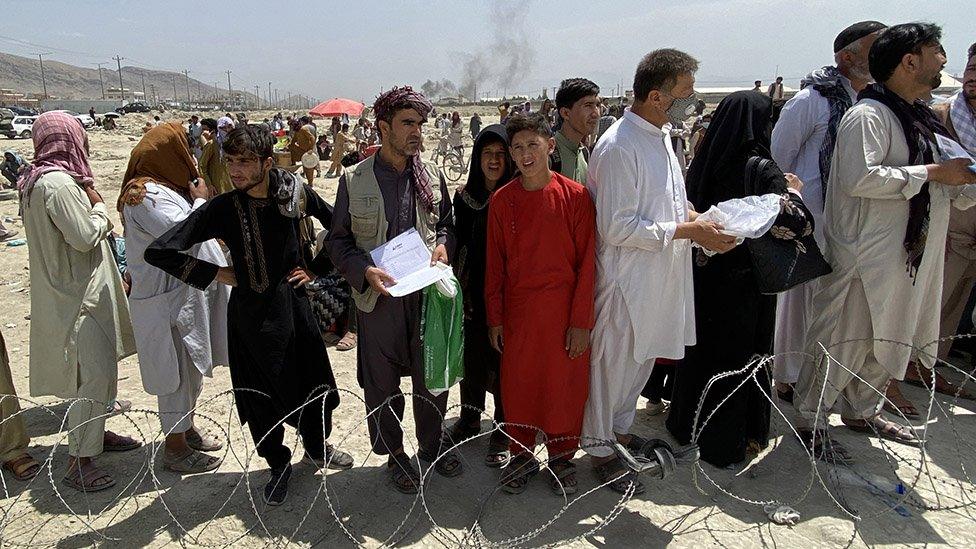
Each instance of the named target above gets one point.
<point>442,333</point>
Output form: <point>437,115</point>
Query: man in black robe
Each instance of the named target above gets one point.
<point>279,367</point>
<point>388,194</point>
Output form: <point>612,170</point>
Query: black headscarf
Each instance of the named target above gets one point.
<point>741,127</point>
<point>475,187</point>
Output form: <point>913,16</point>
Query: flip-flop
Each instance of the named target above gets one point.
<point>85,478</point>
<point>23,468</point>
<point>193,462</point>
<point>888,430</point>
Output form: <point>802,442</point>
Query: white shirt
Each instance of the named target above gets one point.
<point>159,302</point>
<point>797,137</point>
<point>865,221</point>
<point>635,180</point>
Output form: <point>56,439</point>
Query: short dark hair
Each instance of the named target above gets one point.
<point>660,69</point>
<point>345,127</point>
<point>779,78</point>
<point>972,52</point>
<point>572,90</point>
<point>250,139</point>
<point>757,82</point>
<point>535,122</point>
<point>896,42</point>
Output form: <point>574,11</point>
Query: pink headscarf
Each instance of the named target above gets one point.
<point>60,145</point>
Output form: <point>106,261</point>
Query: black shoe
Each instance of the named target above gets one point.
<point>276,490</point>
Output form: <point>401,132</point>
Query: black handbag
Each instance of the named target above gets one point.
<point>780,259</point>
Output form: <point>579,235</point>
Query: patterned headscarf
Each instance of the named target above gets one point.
<point>60,145</point>
<point>385,107</point>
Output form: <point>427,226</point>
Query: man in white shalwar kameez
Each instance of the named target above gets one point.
<point>802,144</point>
<point>887,268</point>
<point>645,228</point>
<point>80,325</point>
<point>180,331</point>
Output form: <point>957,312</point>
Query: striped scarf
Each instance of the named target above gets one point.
<point>963,121</point>
<point>829,84</point>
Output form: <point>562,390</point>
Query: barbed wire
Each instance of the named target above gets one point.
<point>845,486</point>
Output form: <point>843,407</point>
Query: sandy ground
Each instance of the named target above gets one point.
<point>153,507</point>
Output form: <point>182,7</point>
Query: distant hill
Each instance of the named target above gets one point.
<point>66,81</point>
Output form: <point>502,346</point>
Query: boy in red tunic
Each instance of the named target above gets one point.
<point>539,296</point>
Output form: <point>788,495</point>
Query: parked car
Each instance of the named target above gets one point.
<point>23,111</point>
<point>135,106</point>
<point>20,126</point>
<point>6,121</point>
<point>85,120</point>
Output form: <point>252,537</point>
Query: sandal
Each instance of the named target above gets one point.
<point>636,444</point>
<point>498,454</point>
<point>825,448</point>
<point>348,342</point>
<point>119,443</point>
<point>942,385</point>
<point>334,459</point>
<point>202,442</point>
<point>618,476</point>
<point>448,465</point>
<point>563,481</point>
<point>459,432</point>
<point>889,430</point>
<point>191,463</point>
<point>520,470</point>
<point>404,475</point>
<point>896,403</point>
<point>88,478</point>
<point>23,468</point>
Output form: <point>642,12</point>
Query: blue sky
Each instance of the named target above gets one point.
<point>353,49</point>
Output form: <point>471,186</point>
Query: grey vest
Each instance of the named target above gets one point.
<point>367,213</point>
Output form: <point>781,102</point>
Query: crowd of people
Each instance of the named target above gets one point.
<point>590,271</point>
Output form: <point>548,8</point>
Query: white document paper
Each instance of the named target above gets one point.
<point>407,259</point>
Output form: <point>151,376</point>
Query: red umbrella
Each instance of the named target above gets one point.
<point>338,106</point>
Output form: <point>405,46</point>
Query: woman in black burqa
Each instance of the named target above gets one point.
<point>734,321</point>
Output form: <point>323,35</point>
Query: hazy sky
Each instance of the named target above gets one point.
<point>352,49</point>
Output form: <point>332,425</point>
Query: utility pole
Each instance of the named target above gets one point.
<point>186,73</point>
<point>144,85</point>
<point>257,96</point>
<point>118,63</point>
<point>276,98</point>
<point>155,100</point>
<point>269,94</point>
<point>101,84</point>
<point>40,59</point>
<point>175,98</point>
<point>229,90</point>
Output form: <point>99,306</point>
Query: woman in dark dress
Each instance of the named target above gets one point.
<point>491,167</point>
<point>734,322</point>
